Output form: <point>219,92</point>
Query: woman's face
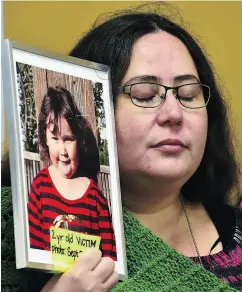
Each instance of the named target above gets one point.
<point>166,142</point>
<point>62,148</point>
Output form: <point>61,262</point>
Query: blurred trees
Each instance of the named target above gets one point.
<point>27,107</point>
<point>101,123</point>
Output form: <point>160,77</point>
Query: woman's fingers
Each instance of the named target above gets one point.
<point>88,260</point>
<point>111,281</point>
<point>91,273</point>
<point>104,269</point>
<point>51,284</point>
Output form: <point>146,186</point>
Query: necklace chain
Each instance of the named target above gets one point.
<point>190,229</point>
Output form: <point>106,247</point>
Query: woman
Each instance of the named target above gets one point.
<point>176,161</point>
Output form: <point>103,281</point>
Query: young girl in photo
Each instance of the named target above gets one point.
<point>65,194</point>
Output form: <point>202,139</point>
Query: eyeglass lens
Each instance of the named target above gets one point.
<point>152,95</point>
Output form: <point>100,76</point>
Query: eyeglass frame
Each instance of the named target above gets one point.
<point>121,90</point>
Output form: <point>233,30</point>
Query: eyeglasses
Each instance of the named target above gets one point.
<point>150,95</point>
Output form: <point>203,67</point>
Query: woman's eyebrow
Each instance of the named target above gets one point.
<point>152,78</point>
<point>142,78</point>
<point>186,77</point>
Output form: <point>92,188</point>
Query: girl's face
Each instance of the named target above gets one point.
<point>167,142</point>
<point>62,148</point>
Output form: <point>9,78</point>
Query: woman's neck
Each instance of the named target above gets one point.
<point>160,210</point>
<point>156,205</point>
<point>147,195</point>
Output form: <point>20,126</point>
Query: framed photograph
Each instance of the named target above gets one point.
<point>63,159</point>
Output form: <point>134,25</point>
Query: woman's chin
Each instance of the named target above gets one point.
<point>170,174</point>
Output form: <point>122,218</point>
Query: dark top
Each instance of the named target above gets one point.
<point>227,264</point>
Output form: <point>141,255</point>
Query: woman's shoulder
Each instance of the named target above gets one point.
<point>238,211</point>
<point>226,264</point>
<point>227,220</point>
<point>238,229</point>
<point>235,215</point>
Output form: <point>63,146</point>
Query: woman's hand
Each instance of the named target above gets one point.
<point>91,273</point>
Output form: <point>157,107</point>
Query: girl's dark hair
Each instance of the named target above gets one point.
<point>60,103</point>
<point>111,43</point>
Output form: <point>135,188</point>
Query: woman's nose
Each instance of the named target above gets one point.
<point>170,111</point>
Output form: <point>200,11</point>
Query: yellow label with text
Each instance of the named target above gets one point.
<point>67,246</point>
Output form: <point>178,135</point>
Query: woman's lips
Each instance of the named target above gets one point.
<point>170,145</point>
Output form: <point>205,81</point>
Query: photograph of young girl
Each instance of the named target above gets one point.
<point>65,194</point>
<point>65,182</point>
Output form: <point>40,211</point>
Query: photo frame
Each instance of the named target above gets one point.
<point>29,75</point>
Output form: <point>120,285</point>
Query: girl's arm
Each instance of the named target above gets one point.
<point>108,244</point>
<point>34,217</point>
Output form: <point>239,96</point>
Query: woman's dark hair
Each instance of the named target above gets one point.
<point>111,43</point>
<point>58,102</point>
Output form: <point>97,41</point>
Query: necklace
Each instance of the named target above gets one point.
<point>190,229</point>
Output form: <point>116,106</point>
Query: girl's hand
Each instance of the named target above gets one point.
<point>91,273</point>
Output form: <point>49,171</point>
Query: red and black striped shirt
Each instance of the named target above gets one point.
<point>88,214</point>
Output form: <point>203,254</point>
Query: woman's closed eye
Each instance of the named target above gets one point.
<point>143,99</point>
<point>187,99</point>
